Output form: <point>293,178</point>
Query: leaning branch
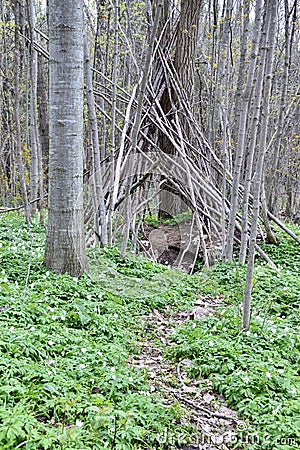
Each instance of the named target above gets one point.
<point>17,208</point>
<point>283,227</point>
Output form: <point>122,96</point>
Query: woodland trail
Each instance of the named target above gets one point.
<point>215,423</point>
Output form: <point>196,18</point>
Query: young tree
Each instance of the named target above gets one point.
<point>241,135</point>
<point>36,166</point>
<point>19,19</point>
<point>65,242</point>
<point>263,117</point>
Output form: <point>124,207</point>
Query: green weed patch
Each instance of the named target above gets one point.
<point>258,371</point>
<point>66,345</point>
<point>65,349</point>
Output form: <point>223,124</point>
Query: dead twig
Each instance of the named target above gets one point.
<point>17,208</point>
<point>202,409</point>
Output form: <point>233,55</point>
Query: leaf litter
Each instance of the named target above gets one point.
<point>215,424</point>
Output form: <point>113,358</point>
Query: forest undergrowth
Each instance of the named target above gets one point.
<point>66,347</point>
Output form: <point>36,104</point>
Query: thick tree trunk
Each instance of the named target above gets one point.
<point>136,128</point>
<point>65,242</point>
<point>184,68</point>
<point>186,45</point>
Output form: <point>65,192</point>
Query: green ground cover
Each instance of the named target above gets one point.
<point>258,372</point>
<point>66,345</point>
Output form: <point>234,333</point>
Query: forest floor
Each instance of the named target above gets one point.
<point>176,243</point>
<point>166,243</point>
<point>138,356</point>
<point>215,423</point>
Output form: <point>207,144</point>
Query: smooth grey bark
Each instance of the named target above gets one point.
<point>19,19</point>
<point>99,60</point>
<point>272,178</point>
<point>43,120</point>
<point>36,166</point>
<point>34,172</point>
<point>100,210</point>
<point>242,76</point>
<point>221,92</point>
<point>254,102</point>
<point>136,127</point>
<point>113,113</point>
<point>240,150</point>
<point>271,237</point>
<point>65,241</point>
<point>267,62</point>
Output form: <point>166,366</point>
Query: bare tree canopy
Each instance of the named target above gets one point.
<point>185,114</point>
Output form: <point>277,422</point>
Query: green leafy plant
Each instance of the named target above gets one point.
<point>65,347</point>
<point>258,371</point>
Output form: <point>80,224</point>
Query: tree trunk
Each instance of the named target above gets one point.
<point>18,11</point>
<point>273,172</point>
<point>43,120</point>
<point>36,168</point>
<point>99,204</point>
<point>267,62</point>
<point>184,68</point>
<point>65,242</point>
<point>242,127</point>
<point>136,128</point>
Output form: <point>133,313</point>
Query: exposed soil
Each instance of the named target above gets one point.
<point>214,422</point>
<point>172,245</point>
<point>178,245</point>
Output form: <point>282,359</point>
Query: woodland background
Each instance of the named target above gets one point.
<point>180,143</point>
<point>190,107</point>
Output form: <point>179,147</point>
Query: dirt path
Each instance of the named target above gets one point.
<point>178,245</point>
<point>215,423</point>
